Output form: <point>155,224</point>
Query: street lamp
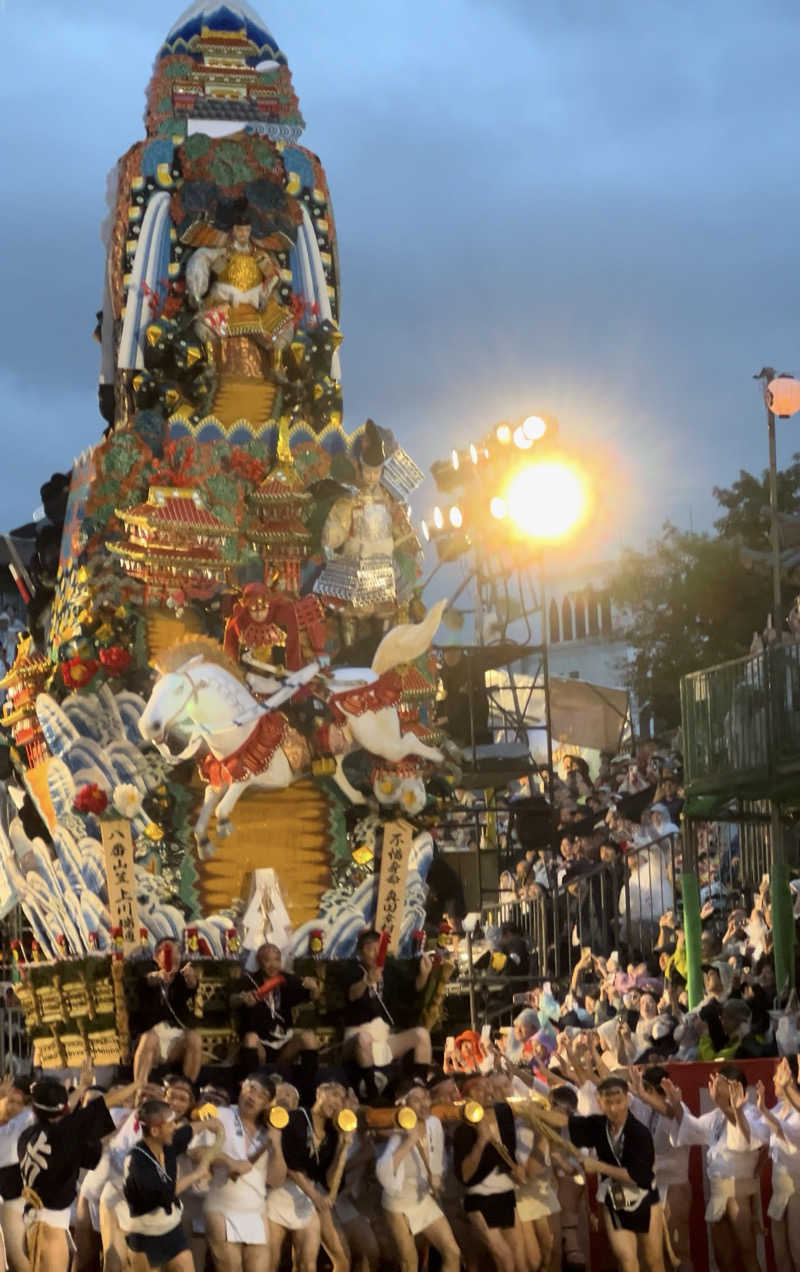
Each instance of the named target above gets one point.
<point>782,400</point>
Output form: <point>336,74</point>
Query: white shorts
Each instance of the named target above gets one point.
<point>53,1218</point>
<point>419,1216</point>
<point>289,1206</point>
<point>537,1205</point>
<point>242,1227</point>
<point>378,1031</point>
<point>166,1034</point>
<point>724,1189</point>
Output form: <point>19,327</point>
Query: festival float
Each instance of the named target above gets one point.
<point>225,719</point>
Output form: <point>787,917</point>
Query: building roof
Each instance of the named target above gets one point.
<point>175,508</point>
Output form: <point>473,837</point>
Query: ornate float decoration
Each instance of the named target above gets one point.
<point>23,682</point>
<point>236,657</point>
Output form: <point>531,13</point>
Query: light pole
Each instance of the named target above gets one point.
<point>782,400</point>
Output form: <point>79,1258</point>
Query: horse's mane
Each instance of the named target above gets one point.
<point>177,656</point>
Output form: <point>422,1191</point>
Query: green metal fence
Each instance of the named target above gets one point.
<point>741,722</point>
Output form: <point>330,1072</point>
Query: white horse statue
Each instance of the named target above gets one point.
<point>250,744</point>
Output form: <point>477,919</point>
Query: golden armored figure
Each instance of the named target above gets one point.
<point>232,283</point>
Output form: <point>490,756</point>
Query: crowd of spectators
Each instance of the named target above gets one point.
<point>621,989</point>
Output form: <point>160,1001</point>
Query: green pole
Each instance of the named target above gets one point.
<point>782,915</point>
<point>692,927</point>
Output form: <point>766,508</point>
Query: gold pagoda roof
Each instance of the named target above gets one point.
<point>174,507</point>
<point>26,665</point>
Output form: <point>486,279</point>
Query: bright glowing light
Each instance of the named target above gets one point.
<point>534,427</point>
<point>548,499</point>
<point>473,452</point>
<point>426,531</point>
<point>503,434</point>
<point>438,518</point>
<point>456,519</point>
<point>520,440</point>
<point>456,462</point>
<point>498,508</point>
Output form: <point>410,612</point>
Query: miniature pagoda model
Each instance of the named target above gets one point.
<point>279,531</point>
<point>23,682</point>
<point>173,546</point>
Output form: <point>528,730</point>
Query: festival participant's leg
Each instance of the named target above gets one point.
<point>533,1254</point>
<point>417,1040</point>
<point>554,1224</point>
<point>676,1221</point>
<point>740,1216</point>
<point>189,1050</point>
<point>791,1221</point>
<point>256,1258</point>
<point>623,1244</point>
<point>544,1236</point>
<point>722,1243</point>
<point>513,1239</point>
<point>48,1248</point>
<point>252,1053</point>
<point>780,1243</point>
<point>493,1240</point>
<point>574,1237</point>
<point>182,1262</point>
<point>115,1247</point>
<point>305,1244</point>
<point>277,1237</point>
<point>650,1244</point>
<point>364,1251</point>
<point>227,1255</point>
<point>87,1241</point>
<point>440,1236</point>
<point>333,1242</point>
<point>404,1241</point>
<point>14,1235</point>
<point>302,1040</point>
<point>147,1053</point>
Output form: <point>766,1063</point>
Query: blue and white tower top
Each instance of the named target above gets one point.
<point>234,16</point>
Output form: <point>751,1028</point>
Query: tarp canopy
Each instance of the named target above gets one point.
<point>582,713</point>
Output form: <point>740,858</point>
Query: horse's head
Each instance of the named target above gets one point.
<point>169,705</point>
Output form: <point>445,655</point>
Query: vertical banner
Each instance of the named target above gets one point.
<point>118,852</point>
<point>397,839</point>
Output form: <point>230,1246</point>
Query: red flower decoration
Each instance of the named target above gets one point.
<point>248,467</point>
<point>91,799</point>
<point>77,672</point>
<point>115,659</point>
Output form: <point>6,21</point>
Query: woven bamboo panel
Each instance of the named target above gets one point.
<point>288,830</point>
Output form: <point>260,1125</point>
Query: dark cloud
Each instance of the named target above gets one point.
<point>589,208</point>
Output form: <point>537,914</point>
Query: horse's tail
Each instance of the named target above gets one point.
<point>408,641</point>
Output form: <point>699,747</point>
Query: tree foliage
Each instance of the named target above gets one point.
<point>746,505</point>
<point>687,600</point>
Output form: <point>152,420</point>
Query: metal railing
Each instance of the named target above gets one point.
<point>613,905</point>
<point>741,719</point>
